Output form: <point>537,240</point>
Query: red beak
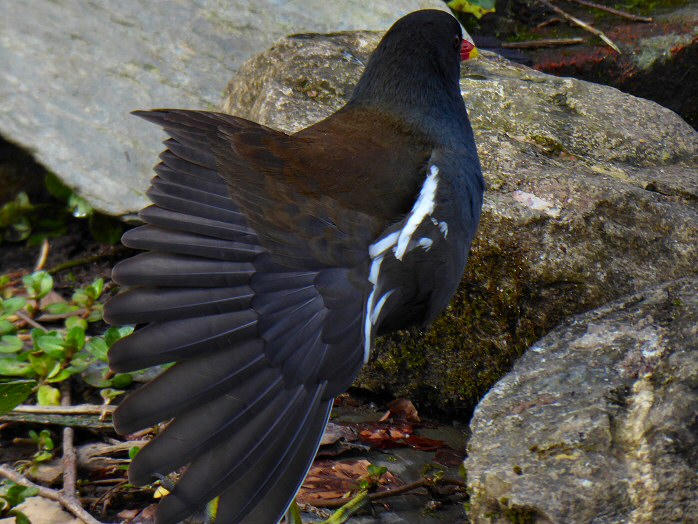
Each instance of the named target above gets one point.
<point>468,50</point>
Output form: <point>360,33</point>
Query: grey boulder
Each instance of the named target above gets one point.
<point>597,421</point>
<point>71,71</point>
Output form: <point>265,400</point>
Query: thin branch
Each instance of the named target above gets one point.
<point>581,24</point>
<point>549,21</point>
<point>87,260</point>
<point>70,459</point>
<point>68,503</point>
<point>348,509</point>
<point>545,42</point>
<point>617,12</point>
<point>28,320</point>
<point>421,483</point>
<point>43,255</point>
<point>82,409</point>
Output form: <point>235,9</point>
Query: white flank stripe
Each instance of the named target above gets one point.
<point>426,243</point>
<point>443,226</point>
<point>380,247</point>
<point>377,310</point>
<point>370,306</point>
<point>368,327</point>
<point>423,207</point>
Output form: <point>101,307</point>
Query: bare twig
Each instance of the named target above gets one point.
<point>581,24</point>
<point>617,12</point>
<point>545,42</point>
<point>347,509</point>
<point>70,459</point>
<point>421,483</point>
<point>549,21</point>
<point>43,255</point>
<point>68,503</point>
<point>28,320</point>
<point>82,409</point>
<point>87,260</point>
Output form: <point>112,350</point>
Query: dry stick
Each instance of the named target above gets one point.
<point>84,261</point>
<point>545,42</point>
<point>581,24</point>
<point>70,459</point>
<point>68,503</point>
<point>27,319</point>
<point>616,12</point>
<point>421,483</point>
<point>83,409</point>
<point>43,255</point>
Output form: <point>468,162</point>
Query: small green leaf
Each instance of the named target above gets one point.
<point>42,364</point>
<point>75,338</point>
<point>45,440</point>
<point>376,471</point>
<point>10,344</point>
<point>113,334</point>
<point>72,322</point>
<point>133,452</point>
<point>122,380</point>
<point>295,513</point>
<point>109,394</point>
<point>43,456</point>
<point>81,298</point>
<point>38,284</point>
<point>95,289</point>
<point>52,346</point>
<point>59,376</point>
<point>79,207</point>
<point>96,314</point>
<point>12,367</point>
<point>57,188</point>
<point>478,8</point>
<point>6,327</point>
<point>13,393</point>
<point>10,306</point>
<point>20,518</point>
<point>14,494</point>
<point>60,308</point>
<point>48,396</point>
<point>97,347</point>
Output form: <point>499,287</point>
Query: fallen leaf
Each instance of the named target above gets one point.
<point>331,480</point>
<point>403,409</point>
<point>424,443</point>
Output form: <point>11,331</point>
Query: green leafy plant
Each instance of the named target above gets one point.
<point>22,220</point>
<point>44,443</point>
<point>477,8</point>
<point>45,357</point>
<point>11,496</point>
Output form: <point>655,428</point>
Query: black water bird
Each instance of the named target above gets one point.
<point>272,262</point>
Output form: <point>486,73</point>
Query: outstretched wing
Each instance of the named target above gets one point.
<point>257,293</point>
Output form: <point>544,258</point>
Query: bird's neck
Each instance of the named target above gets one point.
<point>426,102</point>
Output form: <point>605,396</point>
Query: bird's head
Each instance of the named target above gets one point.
<point>418,58</point>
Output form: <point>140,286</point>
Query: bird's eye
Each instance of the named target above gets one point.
<point>456,42</point>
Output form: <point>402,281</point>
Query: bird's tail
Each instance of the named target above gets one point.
<point>243,429</point>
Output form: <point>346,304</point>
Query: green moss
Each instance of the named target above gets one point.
<point>519,515</point>
<point>648,7</point>
<point>550,145</point>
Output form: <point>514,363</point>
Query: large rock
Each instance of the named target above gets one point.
<point>597,422</point>
<point>593,194</point>
<point>71,71</point>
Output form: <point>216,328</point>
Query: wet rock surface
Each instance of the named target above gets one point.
<point>597,421</point>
